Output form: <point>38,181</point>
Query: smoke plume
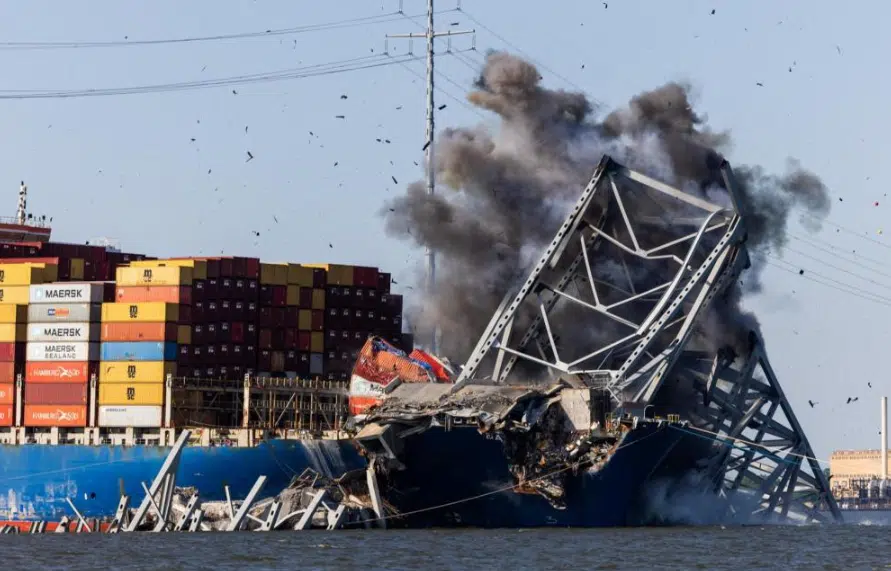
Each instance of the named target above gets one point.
<point>502,194</point>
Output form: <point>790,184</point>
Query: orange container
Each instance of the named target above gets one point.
<point>166,294</point>
<point>7,393</point>
<point>58,372</point>
<point>53,415</point>
<point>155,331</point>
<point>6,415</point>
<point>7,372</point>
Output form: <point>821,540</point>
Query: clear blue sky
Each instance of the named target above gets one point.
<point>124,167</point>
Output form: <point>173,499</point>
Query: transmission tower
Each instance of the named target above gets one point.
<point>430,35</point>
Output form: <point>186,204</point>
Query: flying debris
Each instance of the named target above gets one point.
<point>250,157</point>
<point>713,12</point>
<point>394,179</point>
<point>255,233</point>
<point>330,245</point>
<point>759,84</point>
<point>340,116</point>
<point>812,403</point>
<point>800,272</point>
<point>343,96</point>
<point>443,106</point>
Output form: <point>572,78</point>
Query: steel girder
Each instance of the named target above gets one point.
<point>615,302</point>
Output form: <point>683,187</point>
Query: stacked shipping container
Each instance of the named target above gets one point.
<point>140,342</point>
<point>62,352</point>
<point>278,303</point>
<point>15,283</point>
<point>359,305</point>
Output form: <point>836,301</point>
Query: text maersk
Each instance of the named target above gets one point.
<point>62,332</point>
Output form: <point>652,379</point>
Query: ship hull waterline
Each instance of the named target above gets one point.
<point>36,480</point>
<point>466,474</point>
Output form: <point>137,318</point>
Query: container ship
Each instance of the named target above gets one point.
<point>104,355</point>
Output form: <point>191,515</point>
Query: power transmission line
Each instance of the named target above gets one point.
<point>339,24</point>
<point>343,66</point>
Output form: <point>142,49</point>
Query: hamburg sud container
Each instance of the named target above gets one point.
<point>12,319</point>
<point>141,333</point>
<point>63,351</point>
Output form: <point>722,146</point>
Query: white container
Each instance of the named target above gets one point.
<point>68,293</point>
<point>64,312</point>
<point>62,351</point>
<point>71,332</point>
<point>136,416</point>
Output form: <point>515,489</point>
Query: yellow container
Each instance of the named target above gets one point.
<point>199,267</point>
<point>317,342</point>
<point>77,269</point>
<point>20,295</point>
<point>154,275</point>
<point>27,274</point>
<point>318,298</point>
<point>304,320</point>
<point>184,334</point>
<point>151,311</point>
<point>273,274</point>
<point>13,332</point>
<point>135,371</point>
<point>140,394</point>
<point>293,295</point>
<point>300,275</point>
<point>10,313</point>
<point>337,274</point>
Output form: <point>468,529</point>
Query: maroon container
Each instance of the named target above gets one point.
<point>319,278</point>
<point>213,267</point>
<point>237,332</point>
<point>252,268</point>
<point>318,320</point>
<point>253,290</point>
<point>12,352</point>
<point>226,267</point>
<point>304,300</point>
<point>224,332</point>
<point>56,393</point>
<point>304,341</point>
<point>184,355</point>
<point>199,355</point>
<point>239,289</point>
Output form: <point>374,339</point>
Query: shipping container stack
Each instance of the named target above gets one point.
<point>76,262</point>
<point>15,282</point>
<point>276,298</point>
<point>305,337</point>
<point>142,331</point>
<point>359,305</point>
<point>62,352</point>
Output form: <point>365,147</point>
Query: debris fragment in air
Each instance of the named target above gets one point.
<point>443,106</point>
<point>394,179</point>
<point>250,157</point>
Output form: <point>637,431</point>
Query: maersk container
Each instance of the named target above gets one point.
<point>72,332</point>
<point>71,293</point>
<point>64,313</point>
<point>62,351</point>
<point>131,415</point>
<point>138,351</point>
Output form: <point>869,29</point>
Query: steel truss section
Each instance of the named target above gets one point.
<point>606,273</point>
<point>615,302</point>
<point>762,462</point>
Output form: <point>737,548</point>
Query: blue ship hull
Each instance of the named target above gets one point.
<point>448,468</point>
<point>35,480</point>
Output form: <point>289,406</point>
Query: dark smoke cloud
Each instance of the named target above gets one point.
<point>502,194</point>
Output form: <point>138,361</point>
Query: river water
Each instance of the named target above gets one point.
<point>683,548</point>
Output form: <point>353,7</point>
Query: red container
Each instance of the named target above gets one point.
<point>226,267</point>
<point>6,415</point>
<point>8,372</point>
<point>253,290</point>
<point>252,268</point>
<point>7,394</point>
<point>292,316</point>
<point>166,294</point>
<point>55,415</point>
<point>59,372</point>
<point>319,278</point>
<point>12,352</point>
<point>55,393</point>
<point>318,320</point>
<point>304,339</point>
<point>237,334</point>
<point>365,277</point>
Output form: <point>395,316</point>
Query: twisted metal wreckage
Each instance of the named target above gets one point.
<point>617,319</point>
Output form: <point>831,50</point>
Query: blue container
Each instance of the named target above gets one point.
<point>138,351</point>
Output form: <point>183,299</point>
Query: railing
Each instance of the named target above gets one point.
<point>34,221</point>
